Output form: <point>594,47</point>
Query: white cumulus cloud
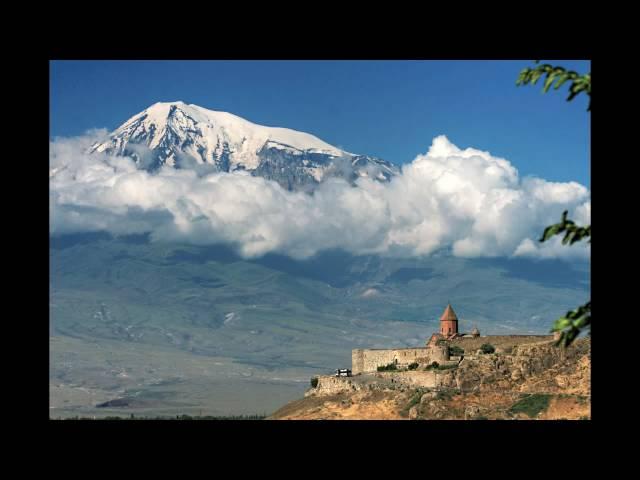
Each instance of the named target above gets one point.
<point>466,200</point>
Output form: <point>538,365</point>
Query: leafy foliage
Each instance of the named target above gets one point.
<point>576,320</point>
<point>433,366</point>
<point>579,83</point>
<point>487,348</point>
<point>414,400</point>
<point>573,233</point>
<point>446,394</point>
<point>531,405</point>
<point>572,324</point>
<point>456,351</point>
<point>413,366</point>
<point>447,367</point>
<point>386,368</point>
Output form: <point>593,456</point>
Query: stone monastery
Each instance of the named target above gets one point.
<point>437,347</point>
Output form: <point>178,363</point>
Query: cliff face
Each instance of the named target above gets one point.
<point>531,381</point>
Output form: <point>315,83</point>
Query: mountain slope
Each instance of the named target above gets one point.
<point>189,136</point>
<point>224,324</point>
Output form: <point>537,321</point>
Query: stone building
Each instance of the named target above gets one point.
<point>449,328</point>
<point>368,360</point>
<point>436,348</point>
<point>449,322</point>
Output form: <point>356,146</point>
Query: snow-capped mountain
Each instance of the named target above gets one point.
<point>189,136</point>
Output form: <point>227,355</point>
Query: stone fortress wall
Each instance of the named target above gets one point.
<point>368,360</point>
<point>477,372</point>
<point>470,345</point>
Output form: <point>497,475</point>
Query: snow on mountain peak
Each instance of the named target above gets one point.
<point>236,126</point>
<point>180,134</point>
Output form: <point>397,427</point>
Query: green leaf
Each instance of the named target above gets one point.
<point>535,76</point>
<point>575,239</point>
<point>548,82</point>
<point>561,324</point>
<point>568,237</point>
<point>570,336</point>
<point>581,322</point>
<point>561,80</point>
<point>549,232</point>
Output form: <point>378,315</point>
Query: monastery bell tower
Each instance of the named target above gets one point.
<point>448,322</point>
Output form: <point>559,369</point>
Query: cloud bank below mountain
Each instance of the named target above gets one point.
<point>466,200</point>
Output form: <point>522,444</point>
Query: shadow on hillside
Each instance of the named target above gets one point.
<point>547,272</point>
<point>60,242</point>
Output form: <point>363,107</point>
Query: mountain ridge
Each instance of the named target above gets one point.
<point>181,135</point>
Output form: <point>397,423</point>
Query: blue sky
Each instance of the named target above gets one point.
<point>390,109</point>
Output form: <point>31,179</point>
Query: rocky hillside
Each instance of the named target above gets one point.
<point>528,381</point>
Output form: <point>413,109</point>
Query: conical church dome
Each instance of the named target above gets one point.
<point>448,314</point>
